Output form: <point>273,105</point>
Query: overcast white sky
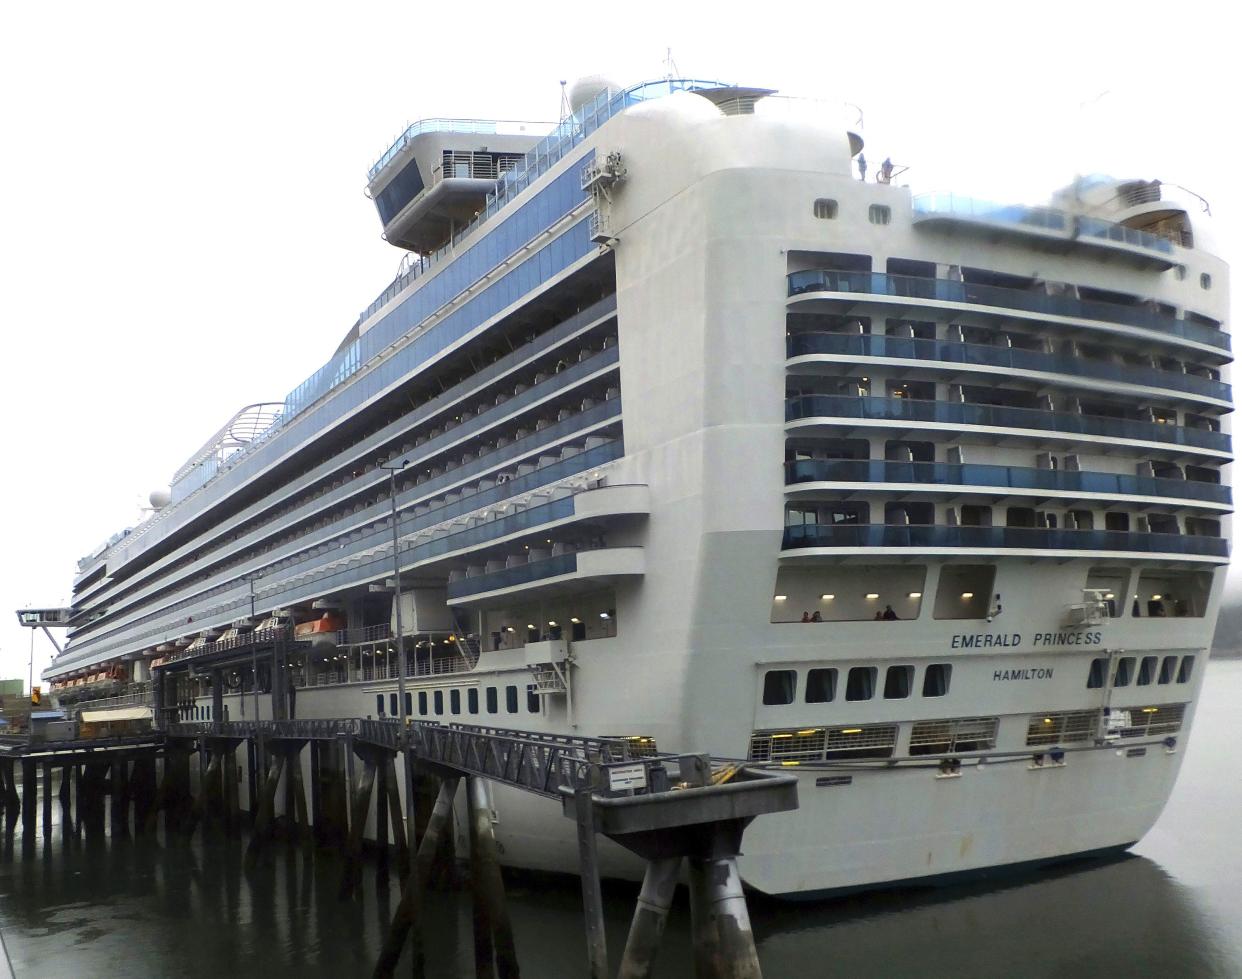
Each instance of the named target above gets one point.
<point>183,230</point>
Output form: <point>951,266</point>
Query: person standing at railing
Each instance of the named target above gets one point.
<point>862,168</point>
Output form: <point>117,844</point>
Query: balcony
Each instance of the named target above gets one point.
<point>1006,358</point>
<point>1021,480</point>
<point>550,575</point>
<point>933,539</point>
<point>832,409</point>
<point>906,287</point>
<point>1058,229</point>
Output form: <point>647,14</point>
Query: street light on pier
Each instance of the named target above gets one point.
<point>393,468</point>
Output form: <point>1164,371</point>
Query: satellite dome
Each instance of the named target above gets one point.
<point>160,498</point>
<point>587,88</point>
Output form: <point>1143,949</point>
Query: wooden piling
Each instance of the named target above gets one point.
<point>394,814</point>
<point>357,824</point>
<point>592,900</point>
<point>30,796</point>
<point>267,807</point>
<point>47,799</point>
<point>492,913</point>
<point>407,921</point>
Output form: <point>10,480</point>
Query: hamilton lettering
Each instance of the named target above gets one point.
<point>1032,673</point>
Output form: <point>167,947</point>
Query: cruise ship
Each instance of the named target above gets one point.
<point>692,427</point>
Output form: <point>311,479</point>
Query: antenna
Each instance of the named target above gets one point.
<point>670,66</point>
<point>566,111</point>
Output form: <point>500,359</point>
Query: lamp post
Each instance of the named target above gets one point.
<point>254,648</point>
<point>393,469</point>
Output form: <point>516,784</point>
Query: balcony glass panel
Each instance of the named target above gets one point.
<point>954,352</point>
<point>911,287</point>
<point>520,575</point>
<point>958,413</point>
<point>1000,538</point>
<point>1014,477</point>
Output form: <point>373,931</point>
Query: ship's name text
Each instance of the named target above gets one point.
<point>989,640</point>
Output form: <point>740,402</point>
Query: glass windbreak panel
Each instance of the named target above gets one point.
<point>826,593</point>
<point>821,686</point>
<point>1172,594</point>
<point>964,591</point>
<point>1186,670</point>
<point>778,687</point>
<point>1168,669</point>
<point>860,683</point>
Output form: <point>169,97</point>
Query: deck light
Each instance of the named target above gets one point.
<point>871,596</point>
<point>851,730</point>
<point>1150,710</point>
<point>827,598</point>
<point>968,594</point>
<point>529,625</point>
<point>779,598</point>
<point>916,594</point>
<point>1109,595</point>
<point>552,623</point>
<point>1156,598</point>
<point>604,615</point>
<point>575,620</point>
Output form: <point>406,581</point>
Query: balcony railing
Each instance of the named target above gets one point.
<point>946,290</point>
<point>953,413</point>
<point>1012,477</point>
<point>1039,217</point>
<point>1000,538</point>
<point>508,577</point>
<point>1014,358</point>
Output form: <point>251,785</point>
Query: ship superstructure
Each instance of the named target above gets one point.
<point>696,436</point>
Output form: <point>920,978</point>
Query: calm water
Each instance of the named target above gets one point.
<point>1173,908</point>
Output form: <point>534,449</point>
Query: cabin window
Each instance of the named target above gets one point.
<point>1186,669</point>
<point>454,701</point>
<point>1168,669</point>
<point>409,704</point>
<point>392,704</point>
<point>778,687</point>
<point>532,700</point>
<point>897,682</point>
<point>472,701</point>
<point>882,214</point>
<point>511,700</point>
<point>492,705</point>
<point>437,699</point>
<point>1125,670</point>
<point>936,679</point>
<point>860,683</point>
<point>821,686</point>
<point>1095,678</point>
<point>422,702</point>
<point>825,208</point>
<point>1147,671</point>
<point>379,704</point>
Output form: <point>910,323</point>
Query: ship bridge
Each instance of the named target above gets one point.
<point>436,176</point>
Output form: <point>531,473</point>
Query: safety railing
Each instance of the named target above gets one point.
<point>948,290</point>
<point>1017,478</point>
<point>999,416</point>
<point>1000,538</point>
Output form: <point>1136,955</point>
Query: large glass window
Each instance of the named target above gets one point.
<point>778,687</point>
<point>898,680</point>
<point>936,679</point>
<point>860,683</point>
<point>821,686</point>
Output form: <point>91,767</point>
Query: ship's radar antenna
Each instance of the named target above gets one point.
<point>670,66</point>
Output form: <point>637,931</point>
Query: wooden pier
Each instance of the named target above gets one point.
<point>684,815</point>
